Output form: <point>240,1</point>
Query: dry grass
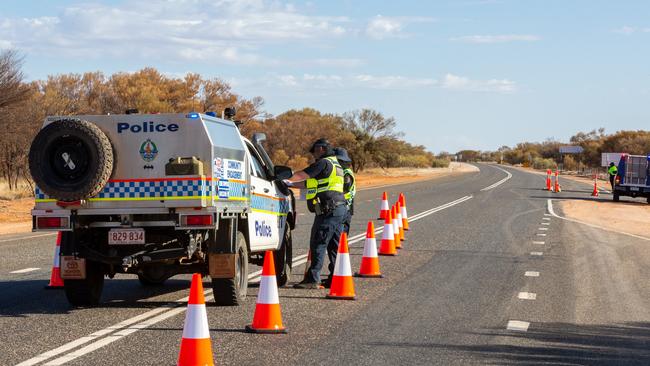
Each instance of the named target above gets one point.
<point>23,191</point>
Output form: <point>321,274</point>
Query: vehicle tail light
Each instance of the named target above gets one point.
<point>197,220</point>
<point>51,222</point>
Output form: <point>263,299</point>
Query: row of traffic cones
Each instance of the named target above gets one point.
<point>550,186</point>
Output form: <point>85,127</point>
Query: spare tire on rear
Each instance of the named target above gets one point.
<point>71,159</point>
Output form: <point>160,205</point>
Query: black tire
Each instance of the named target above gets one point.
<point>616,197</point>
<point>283,259</point>
<point>152,276</point>
<point>71,159</point>
<point>647,199</point>
<point>86,292</point>
<point>232,291</point>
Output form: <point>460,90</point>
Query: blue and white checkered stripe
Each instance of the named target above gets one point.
<point>148,189</point>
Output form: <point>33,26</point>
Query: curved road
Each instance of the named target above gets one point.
<point>486,276</point>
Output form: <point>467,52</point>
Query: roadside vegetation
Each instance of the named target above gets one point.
<point>546,155</point>
<point>370,137</point>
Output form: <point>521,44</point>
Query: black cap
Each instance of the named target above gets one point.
<point>342,155</point>
<point>611,163</point>
<point>321,142</point>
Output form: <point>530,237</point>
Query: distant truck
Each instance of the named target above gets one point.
<point>633,178</point>
<point>157,195</point>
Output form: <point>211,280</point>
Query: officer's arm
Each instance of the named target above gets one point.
<point>300,176</point>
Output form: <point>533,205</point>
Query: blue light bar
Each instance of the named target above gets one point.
<point>192,115</point>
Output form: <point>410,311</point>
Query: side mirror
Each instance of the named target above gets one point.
<point>282,172</point>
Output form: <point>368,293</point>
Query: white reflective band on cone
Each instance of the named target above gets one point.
<point>384,206</point>
<point>196,322</point>
<point>388,232</point>
<point>395,226</point>
<point>370,249</point>
<point>268,291</point>
<point>403,213</point>
<point>342,266</point>
<point>57,257</point>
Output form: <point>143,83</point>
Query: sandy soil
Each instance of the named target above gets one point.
<point>15,214</point>
<point>629,217</point>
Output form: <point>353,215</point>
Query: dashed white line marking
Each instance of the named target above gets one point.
<point>546,223</point>
<point>540,234</point>
<point>25,270</point>
<point>527,296</point>
<point>536,254</point>
<point>543,228</point>
<point>547,215</point>
<point>518,325</point>
<point>539,242</point>
<point>546,218</point>
<point>531,274</point>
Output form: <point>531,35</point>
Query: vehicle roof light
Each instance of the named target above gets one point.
<point>192,115</point>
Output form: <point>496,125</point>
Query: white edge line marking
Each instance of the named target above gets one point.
<point>125,327</point>
<point>509,175</point>
<point>552,212</point>
<point>531,274</point>
<point>32,269</point>
<point>27,237</point>
<point>518,325</point>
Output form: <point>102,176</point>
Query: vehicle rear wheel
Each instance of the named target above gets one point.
<point>616,196</point>
<point>232,291</point>
<point>283,259</point>
<point>71,159</point>
<point>86,292</point>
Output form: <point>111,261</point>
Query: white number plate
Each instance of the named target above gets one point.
<point>125,236</point>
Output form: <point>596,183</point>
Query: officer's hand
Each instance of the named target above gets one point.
<point>287,183</point>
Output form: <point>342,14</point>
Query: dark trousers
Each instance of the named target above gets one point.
<point>611,181</point>
<point>325,235</point>
<point>347,222</point>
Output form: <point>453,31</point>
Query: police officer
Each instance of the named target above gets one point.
<point>349,185</point>
<point>324,183</point>
<point>613,171</point>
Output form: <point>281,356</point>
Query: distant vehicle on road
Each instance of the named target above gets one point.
<point>157,195</point>
<point>633,179</point>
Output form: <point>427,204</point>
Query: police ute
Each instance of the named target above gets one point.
<point>633,177</point>
<point>157,195</point>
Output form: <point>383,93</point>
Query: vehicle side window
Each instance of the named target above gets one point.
<point>258,168</point>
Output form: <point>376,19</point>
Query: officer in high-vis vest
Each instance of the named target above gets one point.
<point>613,172</point>
<point>349,185</point>
<point>324,183</point>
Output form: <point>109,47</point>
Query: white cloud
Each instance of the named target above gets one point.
<point>626,30</point>
<point>381,27</point>
<point>393,82</point>
<point>219,31</point>
<point>5,44</point>
<point>461,83</point>
<point>501,38</point>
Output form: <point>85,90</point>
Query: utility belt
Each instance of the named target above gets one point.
<point>326,207</point>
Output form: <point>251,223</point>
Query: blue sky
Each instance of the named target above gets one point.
<point>474,74</point>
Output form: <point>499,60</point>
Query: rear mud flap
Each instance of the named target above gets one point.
<point>221,265</point>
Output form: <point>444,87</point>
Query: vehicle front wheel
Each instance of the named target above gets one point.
<point>283,259</point>
<point>86,292</point>
<point>232,291</point>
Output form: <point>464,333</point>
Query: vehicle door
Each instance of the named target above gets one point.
<point>264,222</point>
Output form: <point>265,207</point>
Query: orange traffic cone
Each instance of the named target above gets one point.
<point>267,318</point>
<point>196,348</point>
<point>383,211</point>
<point>342,287</point>
<point>369,261</point>
<point>558,189</point>
<point>405,216</point>
<point>396,237</point>
<point>595,192</point>
<point>549,172</point>
<point>400,222</point>
<point>387,246</point>
<point>55,278</point>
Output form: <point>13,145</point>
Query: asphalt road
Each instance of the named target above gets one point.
<point>494,278</point>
